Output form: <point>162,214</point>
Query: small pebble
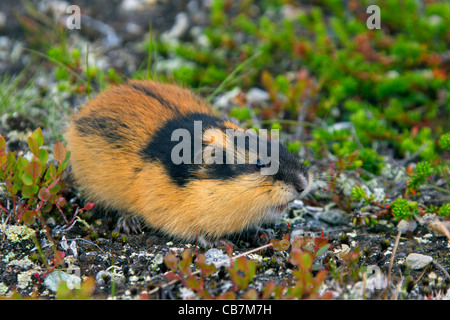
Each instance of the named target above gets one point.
<point>215,256</point>
<point>405,226</point>
<point>53,280</point>
<point>417,261</point>
<point>102,277</point>
<point>334,217</point>
<point>256,95</point>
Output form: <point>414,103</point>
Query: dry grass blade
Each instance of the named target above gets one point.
<point>391,263</point>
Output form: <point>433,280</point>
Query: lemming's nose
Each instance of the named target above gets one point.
<point>301,184</point>
<point>299,187</point>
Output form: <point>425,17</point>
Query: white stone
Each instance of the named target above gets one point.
<point>256,95</point>
<point>417,261</point>
<point>405,226</point>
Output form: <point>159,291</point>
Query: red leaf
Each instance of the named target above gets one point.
<point>171,262</point>
<point>61,201</point>
<point>59,152</point>
<point>44,194</point>
<point>89,206</point>
<point>59,257</point>
<point>171,276</point>
<point>29,217</point>
<point>34,169</point>
<point>268,289</point>
<point>281,245</point>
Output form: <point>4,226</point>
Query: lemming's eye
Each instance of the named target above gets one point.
<point>259,164</point>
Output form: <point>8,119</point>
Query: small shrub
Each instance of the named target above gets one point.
<point>32,182</point>
<point>444,210</point>
<point>423,172</point>
<point>404,209</point>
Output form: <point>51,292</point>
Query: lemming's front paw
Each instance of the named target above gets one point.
<point>129,224</point>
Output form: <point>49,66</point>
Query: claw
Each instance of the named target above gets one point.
<point>129,224</point>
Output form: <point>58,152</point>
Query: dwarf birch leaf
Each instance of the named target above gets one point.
<point>38,137</point>
<point>43,156</point>
<point>59,152</point>
<point>27,179</point>
<point>44,194</point>
<point>34,169</point>
<point>33,145</point>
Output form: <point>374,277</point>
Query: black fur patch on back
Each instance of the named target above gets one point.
<point>106,127</point>
<point>148,92</point>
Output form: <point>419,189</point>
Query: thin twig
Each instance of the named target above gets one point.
<point>391,263</point>
<point>439,266</point>
<point>398,288</point>
<point>244,254</point>
<point>88,241</point>
<point>1,207</point>
<point>421,275</point>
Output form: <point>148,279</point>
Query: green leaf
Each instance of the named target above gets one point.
<point>34,189</point>
<point>29,191</point>
<point>3,160</point>
<point>444,141</point>
<point>2,143</point>
<point>444,211</point>
<point>52,170</point>
<point>43,156</point>
<point>11,159</point>
<point>301,259</point>
<point>38,137</point>
<point>55,189</point>
<point>241,113</point>
<point>307,261</point>
<point>193,284</point>
<point>321,250</point>
<point>206,269</point>
<point>21,163</point>
<point>358,193</point>
<point>65,162</point>
<point>29,217</point>
<point>14,189</point>
<point>27,179</point>
<point>33,145</point>
<point>185,262</point>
